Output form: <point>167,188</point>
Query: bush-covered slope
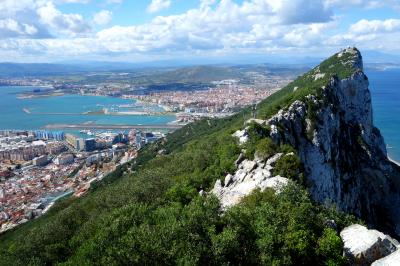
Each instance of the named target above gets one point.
<point>150,211</point>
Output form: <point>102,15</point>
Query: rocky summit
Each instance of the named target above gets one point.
<point>343,153</point>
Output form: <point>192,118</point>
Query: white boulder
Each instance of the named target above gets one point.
<point>363,246</point>
<point>249,176</point>
<point>228,180</point>
<point>274,158</point>
<point>276,182</point>
<point>391,260</point>
<point>247,165</point>
<point>241,135</point>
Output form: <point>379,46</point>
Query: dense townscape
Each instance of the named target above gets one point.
<point>226,97</point>
<point>39,167</point>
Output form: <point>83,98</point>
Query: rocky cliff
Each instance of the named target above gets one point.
<point>343,153</point>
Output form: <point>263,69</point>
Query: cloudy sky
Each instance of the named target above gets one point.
<point>147,30</point>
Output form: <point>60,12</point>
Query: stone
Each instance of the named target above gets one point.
<point>363,246</point>
<point>248,165</point>
<point>273,159</point>
<point>258,158</point>
<point>277,183</point>
<point>319,76</point>
<point>228,180</point>
<point>239,159</point>
<point>217,190</point>
<point>245,180</point>
<point>257,121</point>
<point>268,167</point>
<point>391,260</point>
<point>242,135</point>
<point>239,175</point>
<point>162,152</point>
<point>261,174</point>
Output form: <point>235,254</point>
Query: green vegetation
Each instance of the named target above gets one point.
<point>257,139</point>
<point>265,148</point>
<point>289,165</point>
<point>308,83</point>
<point>150,212</point>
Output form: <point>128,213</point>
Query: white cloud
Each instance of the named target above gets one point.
<point>214,27</point>
<point>11,28</point>
<point>204,3</point>
<point>368,4</point>
<point>370,34</point>
<point>227,26</point>
<point>375,26</point>
<point>301,11</point>
<point>39,19</point>
<point>158,5</point>
<point>72,24</point>
<point>103,17</point>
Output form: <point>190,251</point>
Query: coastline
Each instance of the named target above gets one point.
<point>394,161</point>
<point>31,96</point>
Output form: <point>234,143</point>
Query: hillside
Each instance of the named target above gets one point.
<point>159,209</point>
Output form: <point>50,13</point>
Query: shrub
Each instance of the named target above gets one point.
<point>265,148</point>
<point>330,247</point>
<point>288,166</point>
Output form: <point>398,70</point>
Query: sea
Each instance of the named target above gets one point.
<point>385,91</point>
<point>69,109</point>
<point>36,113</point>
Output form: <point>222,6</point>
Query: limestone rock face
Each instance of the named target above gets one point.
<point>249,176</point>
<point>343,153</point>
<point>363,246</point>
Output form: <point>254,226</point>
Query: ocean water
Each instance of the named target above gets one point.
<point>385,91</point>
<point>65,109</point>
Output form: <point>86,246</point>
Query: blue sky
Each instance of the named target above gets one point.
<point>154,30</point>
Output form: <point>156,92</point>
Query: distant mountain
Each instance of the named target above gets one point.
<point>9,69</point>
<point>22,69</point>
<point>372,57</point>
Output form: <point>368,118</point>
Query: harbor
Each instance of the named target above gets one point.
<point>113,127</point>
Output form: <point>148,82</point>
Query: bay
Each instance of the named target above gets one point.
<point>66,109</point>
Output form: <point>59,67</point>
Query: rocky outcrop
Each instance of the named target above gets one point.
<point>363,246</point>
<point>249,176</point>
<point>343,153</point>
<point>241,135</point>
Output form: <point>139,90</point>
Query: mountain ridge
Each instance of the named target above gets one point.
<point>343,153</point>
